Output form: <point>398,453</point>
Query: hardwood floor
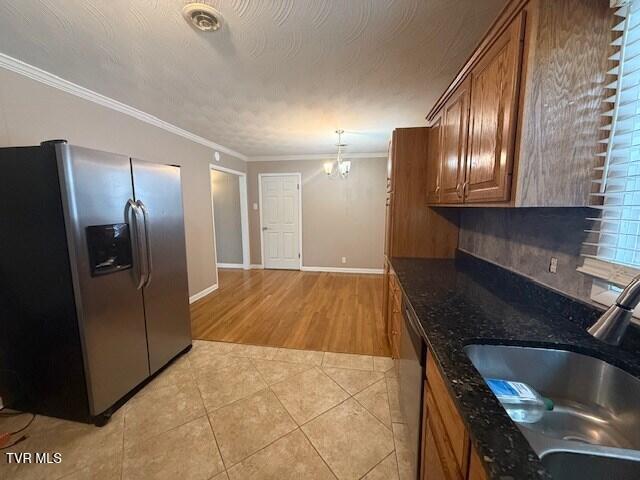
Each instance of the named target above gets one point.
<point>305,310</point>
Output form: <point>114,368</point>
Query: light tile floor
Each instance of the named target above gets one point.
<point>229,411</point>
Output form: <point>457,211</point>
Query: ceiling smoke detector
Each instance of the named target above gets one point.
<point>202,16</point>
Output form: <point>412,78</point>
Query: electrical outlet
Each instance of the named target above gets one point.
<point>255,206</point>
<point>553,265</point>
<point>344,259</point>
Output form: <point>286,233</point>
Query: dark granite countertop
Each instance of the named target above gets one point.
<point>468,300</point>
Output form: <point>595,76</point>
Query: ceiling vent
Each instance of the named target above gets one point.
<point>202,16</point>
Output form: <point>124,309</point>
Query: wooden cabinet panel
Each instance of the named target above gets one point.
<point>396,326</point>
<point>393,308</point>
<point>432,465</point>
<point>562,101</point>
<point>492,117</point>
<point>434,151</point>
<point>385,297</point>
<point>476,470</point>
<point>388,306</point>
<point>447,460</point>
<point>416,230</point>
<point>455,118</point>
<point>453,424</point>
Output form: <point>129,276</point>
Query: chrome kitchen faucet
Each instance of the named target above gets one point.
<point>612,324</point>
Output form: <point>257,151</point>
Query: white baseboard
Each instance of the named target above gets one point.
<point>371,271</point>
<point>256,266</point>
<point>195,297</point>
<point>230,265</point>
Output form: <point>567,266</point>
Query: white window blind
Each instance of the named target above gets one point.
<point>614,254</point>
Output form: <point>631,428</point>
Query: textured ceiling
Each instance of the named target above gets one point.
<point>278,78</point>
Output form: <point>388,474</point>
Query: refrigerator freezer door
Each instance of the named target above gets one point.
<point>96,189</point>
<point>166,294</point>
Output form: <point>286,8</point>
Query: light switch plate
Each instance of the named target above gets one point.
<point>553,265</point>
<point>344,259</point>
<point>255,206</point>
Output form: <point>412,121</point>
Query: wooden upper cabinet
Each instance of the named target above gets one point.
<point>433,160</point>
<point>455,117</point>
<point>536,97</point>
<point>492,118</point>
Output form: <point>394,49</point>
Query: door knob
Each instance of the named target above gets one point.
<point>264,228</point>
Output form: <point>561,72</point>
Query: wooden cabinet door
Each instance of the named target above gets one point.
<point>493,108</point>
<point>386,297</point>
<point>396,323</point>
<point>455,121</point>
<point>434,151</point>
<point>432,468</point>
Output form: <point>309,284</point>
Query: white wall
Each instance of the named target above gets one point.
<point>31,112</point>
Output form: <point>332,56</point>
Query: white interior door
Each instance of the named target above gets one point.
<point>281,221</point>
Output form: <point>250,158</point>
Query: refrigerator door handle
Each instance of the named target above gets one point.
<point>141,250</point>
<point>147,233</point>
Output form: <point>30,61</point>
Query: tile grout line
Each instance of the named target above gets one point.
<point>395,448</point>
<point>262,448</point>
<point>318,453</point>
<point>369,411</point>
<point>215,439</point>
<point>393,435</point>
<point>349,397</point>
<point>212,410</point>
<point>152,437</point>
<point>300,425</point>
<point>252,362</point>
<point>244,398</point>
<point>373,468</point>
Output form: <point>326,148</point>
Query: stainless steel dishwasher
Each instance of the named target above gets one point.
<point>411,378</point>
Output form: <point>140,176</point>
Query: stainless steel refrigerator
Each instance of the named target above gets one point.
<point>94,283</point>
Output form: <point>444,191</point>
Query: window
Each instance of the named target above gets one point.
<point>613,257</point>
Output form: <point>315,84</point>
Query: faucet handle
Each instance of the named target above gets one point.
<point>630,296</point>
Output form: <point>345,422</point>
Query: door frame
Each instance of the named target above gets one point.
<point>281,174</point>
<point>244,215</point>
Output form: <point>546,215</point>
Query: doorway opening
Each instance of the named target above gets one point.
<point>230,218</point>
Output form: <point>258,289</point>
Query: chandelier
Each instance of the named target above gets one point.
<point>340,167</point>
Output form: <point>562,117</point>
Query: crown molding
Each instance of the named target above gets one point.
<point>314,156</point>
<point>42,76</point>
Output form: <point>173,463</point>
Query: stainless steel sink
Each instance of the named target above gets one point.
<point>596,420</point>
<point>581,466</point>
